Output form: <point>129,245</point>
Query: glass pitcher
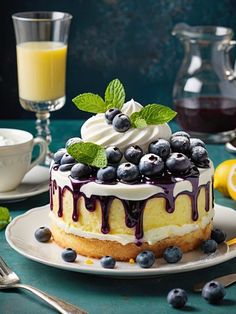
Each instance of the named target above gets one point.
<point>205,88</point>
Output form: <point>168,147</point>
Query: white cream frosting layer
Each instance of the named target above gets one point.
<point>151,236</point>
<point>130,192</point>
<point>98,131</point>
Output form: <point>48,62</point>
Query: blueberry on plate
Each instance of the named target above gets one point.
<point>43,234</point>
<point>145,259</point>
<point>127,172</point>
<point>106,174</point>
<point>209,246</point>
<point>69,255</point>
<point>121,123</point>
<point>218,235</point>
<point>133,154</point>
<point>181,133</point>
<point>110,114</point>
<point>58,155</point>
<point>178,163</point>
<point>80,171</point>
<point>199,154</point>
<point>172,254</point>
<point>177,298</point>
<point>108,262</point>
<point>114,155</point>
<point>213,292</point>
<point>180,144</point>
<point>196,142</point>
<point>151,165</point>
<point>160,147</point>
<point>67,159</point>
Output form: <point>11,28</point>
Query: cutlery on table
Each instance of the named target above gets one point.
<point>10,280</point>
<point>226,281</point>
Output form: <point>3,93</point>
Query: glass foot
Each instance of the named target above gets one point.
<point>215,138</point>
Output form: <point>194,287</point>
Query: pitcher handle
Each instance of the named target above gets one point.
<point>230,72</point>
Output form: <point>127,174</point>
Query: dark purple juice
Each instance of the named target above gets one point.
<point>206,114</point>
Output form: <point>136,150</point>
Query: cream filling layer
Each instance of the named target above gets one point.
<point>151,236</point>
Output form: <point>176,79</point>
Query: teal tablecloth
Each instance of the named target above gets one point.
<point>97,294</point>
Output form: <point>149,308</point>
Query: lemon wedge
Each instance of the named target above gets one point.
<point>231,184</point>
<point>225,178</point>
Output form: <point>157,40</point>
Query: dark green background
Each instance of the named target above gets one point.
<point>128,39</point>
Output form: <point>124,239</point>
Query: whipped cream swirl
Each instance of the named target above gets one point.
<point>98,131</point>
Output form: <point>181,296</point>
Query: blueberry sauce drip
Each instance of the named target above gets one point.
<point>133,209</point>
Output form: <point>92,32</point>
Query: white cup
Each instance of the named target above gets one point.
<point>16,148</point>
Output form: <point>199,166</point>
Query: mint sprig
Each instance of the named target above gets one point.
<point>115,94</point>
<point>114,98</point>
<point>5,217</point>
<point>151,115</point>
<point>88,153</point>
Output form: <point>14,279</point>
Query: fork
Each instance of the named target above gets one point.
<point>10,280</point>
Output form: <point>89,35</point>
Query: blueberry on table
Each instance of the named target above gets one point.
<point>106,174</point>
<point>80,171</point>
<point>177,298</point>
<point>121,123</point>
<point>213,292</point>
<point>199,154</point>
<point>181,133</point>
<point>178,163</point>
<point>172,254</point>
<point>69,255</point>
<point>133,154</point>
<point>209,246</point>
<point>108,262</point>
<point>110,114</point>
<point>180,144</point>
<point>58,155</point>
<point>218,235</point>
<point>127,172</point>
<point>114,155</point>
<point>43,234</point>
<point>160,147</point>
<point>145,259</point>
<point>151,165</point>
<point>196,142</point>
<point>67,159</point>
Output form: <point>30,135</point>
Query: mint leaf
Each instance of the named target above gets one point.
<point>115,94</point>
<point>152,114</point>
<point>90,102</point>
<point>5,217</point>
<point>88,153</point>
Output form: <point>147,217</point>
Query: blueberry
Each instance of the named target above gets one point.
<point>128,172</point>
<point>108,262</point>
<point>196,142</point>
<point>106,174</point>
<point>199,154</point>
<point>110,114</point>
<point>73,140</point>
<point>69,255</point>
<point>151,165</point>
<point>114,155</point>
<point>181,133</point>
<point>43,234</point>
<point>213,292</point>
<point>178,163</point>
<point>58,155</point>
<point>133,154</point>
<point>177,298</point>
<point>209,246</point>
<point>80,171</point>
<point>180,144</point>
<point>145,259</point>
<point>121,123</point>
<point>160,147</point>
<point>66,167</point>
<point>172,254</point>
<point>67,159</point>
<point>218,235</point>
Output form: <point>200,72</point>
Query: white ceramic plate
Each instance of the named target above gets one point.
<point>34,182</point>
<point>20,236</point>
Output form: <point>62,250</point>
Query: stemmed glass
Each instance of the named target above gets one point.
<point>41,47</point>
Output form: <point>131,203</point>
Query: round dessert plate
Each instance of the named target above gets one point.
<point>35,182</point>
<point>20,236</point>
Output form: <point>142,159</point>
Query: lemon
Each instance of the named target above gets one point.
<point>223,178</point>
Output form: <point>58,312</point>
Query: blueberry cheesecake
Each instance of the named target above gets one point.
<point>129,185</point>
